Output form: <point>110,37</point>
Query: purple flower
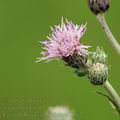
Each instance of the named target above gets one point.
<point>64,42</point>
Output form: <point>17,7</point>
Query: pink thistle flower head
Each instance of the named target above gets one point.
<point>64,42</point>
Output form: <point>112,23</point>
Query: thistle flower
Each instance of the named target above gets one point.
<point>98,6</point>
<point>64,43</point>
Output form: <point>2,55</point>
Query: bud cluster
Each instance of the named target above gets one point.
<point>98,71</point>
<point>94,66</point>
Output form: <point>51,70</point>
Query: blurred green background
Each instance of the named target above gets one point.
<point>23,23</point>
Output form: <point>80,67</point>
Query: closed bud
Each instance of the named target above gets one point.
<point>98,73</point>
<point>99,56</point>
<point>98,6</point>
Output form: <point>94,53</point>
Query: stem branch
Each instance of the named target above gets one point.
<point>113,94</point>
<point>105,27</point>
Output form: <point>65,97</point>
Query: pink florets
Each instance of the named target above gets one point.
<point>64,41</point>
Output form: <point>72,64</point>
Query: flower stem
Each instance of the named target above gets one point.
<point>113,94</point>
<point>112,39</point>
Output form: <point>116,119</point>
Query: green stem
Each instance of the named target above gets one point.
<point>113,94</point>
<point>106,28</point>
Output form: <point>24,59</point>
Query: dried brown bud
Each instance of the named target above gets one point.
<point>98,6</point>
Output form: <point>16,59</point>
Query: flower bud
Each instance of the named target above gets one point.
<point>98,6</point>
<point>99,56</point>
<point>98,74</point>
